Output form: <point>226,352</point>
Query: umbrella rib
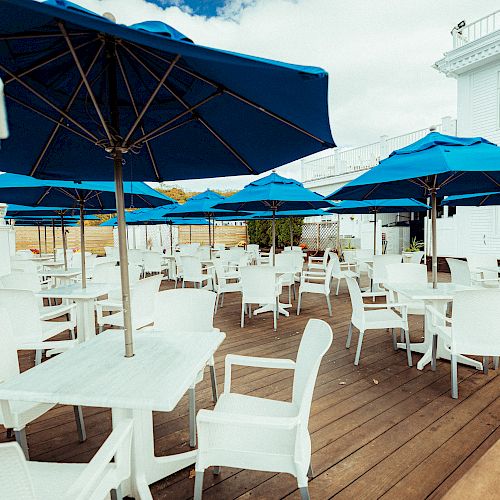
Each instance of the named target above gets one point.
<point>491,179</point>
<point>46,101</point>
<point>68,107</point>
<point>53,120</point>
<point>46,192</point>
<point>144,200</point>
<point>248,102</point>
<point>86,82</point>
<point>132,100</point>
<point>150,100</point>
<point>101,205</point>
<point>38,35</point>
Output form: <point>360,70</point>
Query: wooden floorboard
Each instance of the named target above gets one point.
<point>382,429</point>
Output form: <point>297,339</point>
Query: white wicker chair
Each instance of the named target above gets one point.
<point>319,263</point>
<point>460,272</point>
<point>316,282</point>
<point>264,434</point>
<point>21,479</point>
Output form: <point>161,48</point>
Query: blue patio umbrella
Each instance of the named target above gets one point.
<point>376,207</point>
<point>92,90</point>
<point>86,195</point>
<point>473,200</point>
<point>274,193</point>
<point>435,165</point>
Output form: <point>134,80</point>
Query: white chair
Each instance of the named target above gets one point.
<point>203,253</point>
<point>286,263</point>
<point>259,286</point>
<point>219,246</point>
<point>227,280</point>
<point>474,328</point>
<point>31,332</point>
<point>28,281</point>
<point>377,271</point>
<point>460,273</point>
<point>26,266</point>
<point>319,263</point>
<point>21,479</point>
<point>153,263</point>
<point>316,282</point>
<point>69,256</point>
<point>90,259</point>
<point>24,254</point>
<point>111,252</point>
<point>480,276</point>
<point>293,249</point>
<point>341,271</point>
<point>142,297</point>
<point>193,272</point>
<point>16,415</point>
<point>188,310</point>
<point>253,250</point>
<point>375,317</point>
<point>266,258</point>
<point>264,434</point>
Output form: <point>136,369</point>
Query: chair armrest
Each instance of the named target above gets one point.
<point>218,417</point>
<point>48,344</point>
<point>375,294</point>
<point>235,359</point>
<point>119,441</point>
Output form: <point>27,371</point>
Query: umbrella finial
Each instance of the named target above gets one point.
<point>109,16</point>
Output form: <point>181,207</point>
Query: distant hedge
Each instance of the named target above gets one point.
<point>260,231</point>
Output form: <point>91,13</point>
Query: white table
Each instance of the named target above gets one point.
<point>51,264</point>
<point>61,276</point>
<point>282,308</point>
<point>155,379</point>
<point>439,299</point>
<point>84,299</point>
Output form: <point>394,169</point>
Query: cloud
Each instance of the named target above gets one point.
<point>378,53</point>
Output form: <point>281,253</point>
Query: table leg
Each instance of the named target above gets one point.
<point>146,468</point>
<point>85,320</point>
<point>269,308</point>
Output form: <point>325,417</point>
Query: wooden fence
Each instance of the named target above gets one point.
<point>96,238</point>
<point>229,235</point>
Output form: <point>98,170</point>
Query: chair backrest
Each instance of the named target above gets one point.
<point>152,262</point>
<point>406,273</point>
<point>326,255</point>
<point>253,248</point>
<point>189,249</point>
<point>358,310</point>
<point>316,340</point>
<point>106,272</point>
<point>350,256</point>
<point>203,252</point>
<point>380,262</point>
<point>219,246</point>
<point>111,251</point>
<point>21,281</point>
<point>476,322</point>
<point>25,266</point>
<point>15,479</point>
<point>24,254</point>
<point>414,257</point>
<point>335,262</point>
<point>185,310</point>
<point>285,261</point>
<point>477,261</point>
<point>142,300</point>
<point>135,256</point>
<point>460,272</point>
<point>23,311</point>
<point>258,283</point>
<point>191,267</point>
<point>298,259</point>
<point>134,272</point>
<point>9,363</point>
<point>235,254</point>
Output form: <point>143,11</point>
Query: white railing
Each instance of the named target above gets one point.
<point>352,160</point>
<point>477,29</point>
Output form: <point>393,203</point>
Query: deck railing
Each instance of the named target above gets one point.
<point>347,161</point>
<point>473,31</point>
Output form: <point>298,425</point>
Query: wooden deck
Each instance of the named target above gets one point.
<point>378,430</point>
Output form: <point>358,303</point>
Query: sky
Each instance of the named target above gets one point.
<point>378,53</point>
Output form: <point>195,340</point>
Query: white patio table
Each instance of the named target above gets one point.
<point>282,308</point>
<point>61,276</point>
<point>84,299</point>
<point>97,374</point>
<point>51,264</point>
<point>439,299</point>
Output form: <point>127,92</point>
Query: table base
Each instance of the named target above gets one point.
<point>282,309</point>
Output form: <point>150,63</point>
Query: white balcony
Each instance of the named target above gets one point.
<point>468,33</point>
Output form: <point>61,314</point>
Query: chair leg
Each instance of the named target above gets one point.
<point>358,350</point>
<point>408,350</point>
<point>242,314</point>
<point>198,485</point>
<point>434,352</point>
<point>80,424</point>
<point>304,493</point>
<point>116,494</point>
<point>222,300</point>
<point>217,302</point>
<point>454,381</point>
<point>38,356</point>
<point>349,337</point>
<point>275,315</point>
<point>290,294</point>
<point>216,470</point>
<point>10,433</point>
<point>249,309</point>
<point>329,304</point>
<point>298,303</point>
<point>394,340</point>
<point>486,362</point>
<point>402,333</point>
<point>22,441</point>
<point>192,417</point>
<point>215,395</point>
<point>495,362</point>
<point>310,471</point>
<point>338,286</point>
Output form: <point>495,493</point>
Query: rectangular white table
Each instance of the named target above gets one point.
<point>439,299</point>
<point>84,299</point>
<point>61,276</point>
<point>97,374</point>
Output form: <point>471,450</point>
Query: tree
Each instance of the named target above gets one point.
<point>260,231</point>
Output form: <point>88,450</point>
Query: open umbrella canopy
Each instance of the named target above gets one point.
<point>44,223</point>
<point>95,195</point>
<point>289,213</point>
<point>201,205</point>
<point>473,200</point>
<point>156,215</point>
<point>445,164</point>
<point>181,110</point>
<point>49,218</point>
<point>273,193</point>
<point>378,206</point>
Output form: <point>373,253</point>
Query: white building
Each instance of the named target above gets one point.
<point>474,61</point>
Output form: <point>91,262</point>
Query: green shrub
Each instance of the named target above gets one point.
<point>260,231</point>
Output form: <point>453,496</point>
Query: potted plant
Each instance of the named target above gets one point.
<point>348,251</point>
<point>414,246</point>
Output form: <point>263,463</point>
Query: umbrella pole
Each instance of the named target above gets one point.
<point>45,238</point>
<point>375,233</point>
<point>122,246</point>
<point>190,234</point>
<point>273,248</point>
<point>291,232</point>
<point>171,242</point>
<point>339,249</point>
<point>146,224</point>
<point>39,241</point>
<point>246,234</point>
<point>434,234</point>
<point>54,239</point>
<point>82,246</point>
<point>161,239</point>
<point>209,237</point>
<point>63,231</point>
